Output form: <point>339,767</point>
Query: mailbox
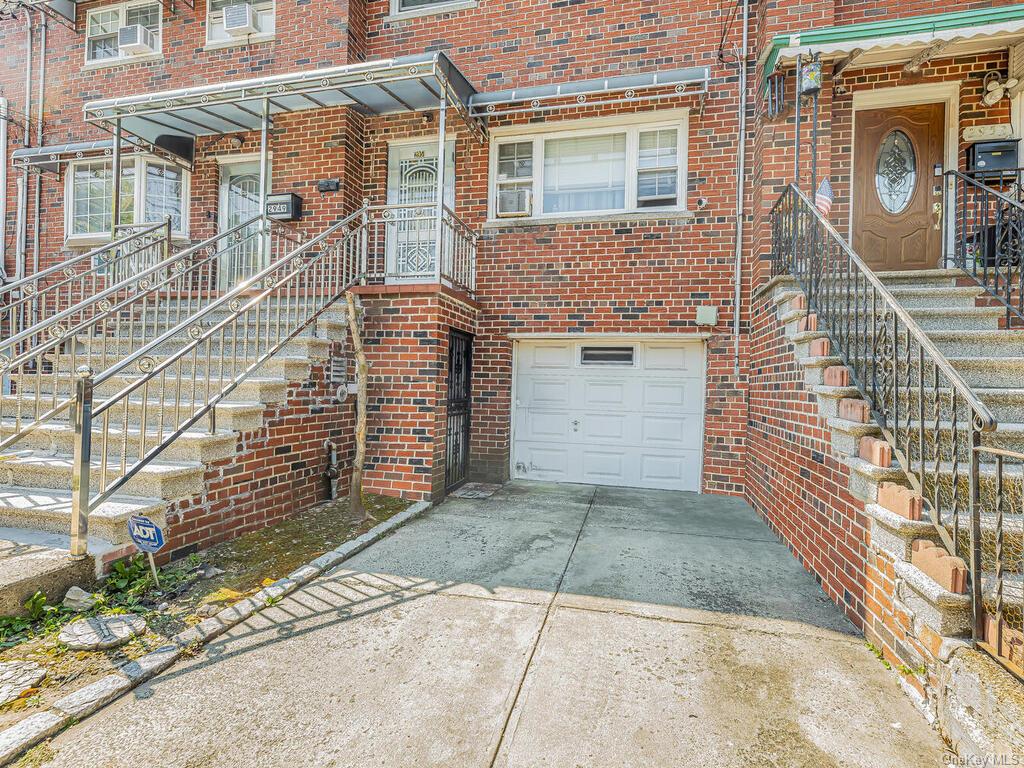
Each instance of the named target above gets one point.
<point>992,158</point>
<point>284,207</point>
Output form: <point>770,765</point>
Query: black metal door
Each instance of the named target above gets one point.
<point>460,368</point>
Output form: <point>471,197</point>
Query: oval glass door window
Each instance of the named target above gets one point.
<point>896,172</point>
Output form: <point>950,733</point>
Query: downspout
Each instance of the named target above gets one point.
<point>4,122</point>
<point>741,169</point>
<point>39,142</point>
<point>22,217</point>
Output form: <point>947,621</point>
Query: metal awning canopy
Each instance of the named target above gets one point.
<point>405,84</point>
<point>50,158</point>
<point>910,41</point>
<point>609,90</point>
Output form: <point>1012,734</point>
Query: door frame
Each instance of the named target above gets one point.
<point>947,93</point>
<point>469,339</point>
<point>610,338</point>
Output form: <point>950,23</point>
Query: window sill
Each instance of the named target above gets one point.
<point>123,61</point>
<point>431,10</point>
<point>625,217</point>
<point>240,42</point>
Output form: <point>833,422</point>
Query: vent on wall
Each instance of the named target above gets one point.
<point>607,355</point>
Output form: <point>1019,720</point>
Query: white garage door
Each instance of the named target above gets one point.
<point>610,413</point>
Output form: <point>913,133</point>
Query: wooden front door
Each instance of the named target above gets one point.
<point>897,202</point>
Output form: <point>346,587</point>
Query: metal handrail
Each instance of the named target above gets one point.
<point>928,413</point>
<point>1000,505</point>
<point>87,257</point>
<point>292,293</point>
<point>988,239</point>
<point>141,304</point>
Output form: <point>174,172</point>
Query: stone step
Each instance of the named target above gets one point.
<point>158,479</point>
<point>937,297</point>
<point>107,351</point>
<point>230,416</point>
<point>995,343</point>
<point>957,318</point>
<point>254,389</point>
<point>980,371</point>
<point>56,438</point>
<point>921,277</point>
<point>49,510</point>
<point>288,368</point>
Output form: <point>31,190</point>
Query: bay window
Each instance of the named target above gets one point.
<point>151,191</point>
<point>102,26</point>
<point>629,167</point>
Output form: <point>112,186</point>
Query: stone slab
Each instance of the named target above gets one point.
<point>99,633</point>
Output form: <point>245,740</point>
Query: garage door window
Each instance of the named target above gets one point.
<point>607,356</point>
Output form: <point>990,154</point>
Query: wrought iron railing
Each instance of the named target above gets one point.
<point>227,339</point>
<point>1000,505</point>
<point>987,238</point>
<point>401,243</point>
<point>929,415</point>
<point>38,373</point>
<point>32,299</point>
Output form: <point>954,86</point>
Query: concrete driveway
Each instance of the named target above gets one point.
<point>565,626</point>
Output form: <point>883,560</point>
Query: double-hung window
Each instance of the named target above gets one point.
<point>151,191</point>
<point>626,168</point>
<point>262,14</point>
<point>103,28</point>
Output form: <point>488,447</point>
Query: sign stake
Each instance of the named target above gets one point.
<point>152,567</point>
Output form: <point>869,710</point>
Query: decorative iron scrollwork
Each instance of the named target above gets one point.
<point>147,364</point>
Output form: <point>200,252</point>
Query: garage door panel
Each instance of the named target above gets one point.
<point>604,394</point>
<point>605,424</point>
<point>550,356</point>
<point>545,462</point>
<point>547,393</point>
<point>540,425</point>
<point>687,360</point>
<point>605,467</point>
<point>598,427</point>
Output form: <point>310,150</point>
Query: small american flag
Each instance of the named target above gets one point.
<point>823,198</point>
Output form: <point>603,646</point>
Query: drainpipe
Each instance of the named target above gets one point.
<point>4,122</point>
<point>741,168</point>
<point>39,142</point>
<point>22,219</point>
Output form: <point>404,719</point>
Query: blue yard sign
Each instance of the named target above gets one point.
<point>145,533</point>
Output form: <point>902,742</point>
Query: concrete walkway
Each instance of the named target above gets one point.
<point>548,626</point>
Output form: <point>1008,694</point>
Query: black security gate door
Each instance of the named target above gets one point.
<point>460,356</point>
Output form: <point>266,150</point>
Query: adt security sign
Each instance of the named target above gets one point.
<point>145,533</point>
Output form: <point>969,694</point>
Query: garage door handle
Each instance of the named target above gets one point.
<point>575,425</point>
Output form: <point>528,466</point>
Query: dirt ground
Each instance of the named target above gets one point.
<point>200,585</point>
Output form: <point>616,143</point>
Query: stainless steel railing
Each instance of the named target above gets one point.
<point>39,378</point>
<point>227,338</point>
<point>402,242</point>
<point>929,415</point>
<point>988,235</point>
<point>34,298</point>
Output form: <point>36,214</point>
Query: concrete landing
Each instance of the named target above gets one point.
<point>545,626</point>
<point>33,561</point>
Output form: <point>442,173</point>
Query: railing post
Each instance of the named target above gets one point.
<point>81,423</point>
<point>977,601</point>
<point>442,161</point>
<point>364,243</point>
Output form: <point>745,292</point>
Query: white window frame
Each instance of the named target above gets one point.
<point>139,162</point>
<point>230,41</point>
<point>632,125</point>
<point>122,10</point>
<point>433,9</point>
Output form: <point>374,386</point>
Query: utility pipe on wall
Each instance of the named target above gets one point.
<point>4,122</point>
<point>22,217</point>
<point>36,226</point>
<point>741,169</point>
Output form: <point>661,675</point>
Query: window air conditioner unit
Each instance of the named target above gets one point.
<point>135,40</point>
<point>514,202</point>
<point>240,19</point>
